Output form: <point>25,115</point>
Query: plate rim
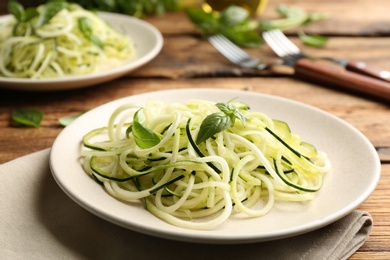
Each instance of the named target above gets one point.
<point>81,81</point>
<point>204,236</point>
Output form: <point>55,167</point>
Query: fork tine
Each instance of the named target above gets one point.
<point>228,49</point>
<point>281,45</point>
<point>235,54</point>
<point>287,43</point>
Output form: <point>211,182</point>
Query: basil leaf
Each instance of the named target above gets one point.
<point>16,9</point>
<point>213,124</point>
<point>66,120</point>
<point>233,22</point>
<point>220,121</point>
<point>49,11</point>
<point>232,111</point>
<point>143,136</point>
<point>313,40</point>
<point>85,26</point>
<point>29,14</point>
<point>233,16</point>
<point>27,117</point>
<point>139,117</point>
<point>289,11</point>
<point>203,20</point>
<point>244,38</point>
<point>291,17</point>
<point>128,131</point>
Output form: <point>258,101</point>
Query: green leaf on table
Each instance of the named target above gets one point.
<point>233,23</point>
<point>207,22</point>
<point>66,120</point>
<point>85,26</point>
<point>27,117</point>
<point>143,136</point>
<point>245,38</point>
<point>291,17</point>
<point>233,16</point>
<point>313,40</point>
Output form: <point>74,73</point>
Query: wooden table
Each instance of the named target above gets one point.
<point>358,29</point>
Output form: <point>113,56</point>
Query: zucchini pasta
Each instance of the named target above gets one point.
<point>194,164</point>
<point>59,39</point>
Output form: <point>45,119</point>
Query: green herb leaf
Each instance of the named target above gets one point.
<point>232,111</point>
<point>234,15</point>
<point>29,14</point>
<point>233,22</point>
<point>291,17</point>
<point>207,22</point>
<point>128,131</point>
<point>143,136</point>
<point>220,121</point>
<point>16,9</point>
<point>66,120</point>
<point>27,117</point>
<point>244,38</point>
<point>49,11</point>
<point>85,26</point>
<point>313,40</point>
<point>213,124</point>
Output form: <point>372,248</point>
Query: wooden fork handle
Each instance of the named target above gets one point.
<point>365,69</point>
<point>340,78</point>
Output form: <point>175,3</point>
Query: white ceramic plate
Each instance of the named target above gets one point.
<point>355,172</point>
<point>148,42</point>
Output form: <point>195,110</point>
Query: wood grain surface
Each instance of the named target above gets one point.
<point>358,29</point>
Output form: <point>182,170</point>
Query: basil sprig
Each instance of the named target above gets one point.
<point>49,11</point>
<point>220,121</point>
<point>236,24</point>
<point>85,27</point>
<point>20,13</point>
<point>23,15</point>
<point>143,136</point>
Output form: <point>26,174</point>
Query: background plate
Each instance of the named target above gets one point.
<point>148,42</point>
<point>355,172</point>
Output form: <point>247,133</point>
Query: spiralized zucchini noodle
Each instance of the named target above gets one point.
<point>73,42</point>
<point>243,169</point>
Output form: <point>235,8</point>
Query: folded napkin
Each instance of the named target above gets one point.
<point>38,221</point>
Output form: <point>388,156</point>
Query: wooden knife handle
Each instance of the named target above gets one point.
<point>363,68</point>
<point>334,76</point>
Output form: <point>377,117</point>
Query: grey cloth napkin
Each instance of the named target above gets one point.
<point>38,221</point>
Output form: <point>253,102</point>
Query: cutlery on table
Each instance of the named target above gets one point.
<point>354,66</point>
<point>235,54</point>
<point>308,69</point>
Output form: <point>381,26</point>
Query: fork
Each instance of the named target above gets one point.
<point>282,45</point>
<point>308,69</point>
<point>235,54</point>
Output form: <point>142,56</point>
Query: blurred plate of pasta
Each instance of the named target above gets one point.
<point>146,40</point>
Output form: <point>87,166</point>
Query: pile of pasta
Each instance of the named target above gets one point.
<point>243,169</point>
